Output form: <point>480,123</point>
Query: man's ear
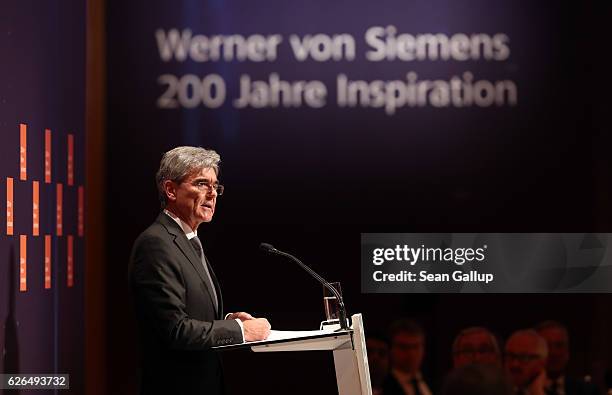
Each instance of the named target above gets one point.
<point>170,190</point>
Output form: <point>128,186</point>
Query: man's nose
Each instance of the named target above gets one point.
<point>212,192</point>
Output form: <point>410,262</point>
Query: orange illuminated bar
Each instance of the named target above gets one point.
<point>70,261</point>
<point>81,212</point>
<point>9,206</point>
<point>58,210</point>
<point>47,156</point>
<point>47,261</point>
<point>70,159</point>
<point>35,208</point>
<point>23,151</point>
<point>23,255</point>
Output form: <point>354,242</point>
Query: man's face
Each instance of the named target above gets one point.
<point>523,361</point>
<point>558,350</point>
<point>407,351</point>
<point>195,197</point>
<point>476,347</point>
<point>378,359</point>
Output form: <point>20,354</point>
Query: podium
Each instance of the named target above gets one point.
<point>348,347</point>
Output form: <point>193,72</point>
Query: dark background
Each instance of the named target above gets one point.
<point>311,181</point>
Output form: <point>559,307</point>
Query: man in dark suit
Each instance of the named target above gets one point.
<point>558,382</point>
<point>378,361</point>
<point>407,353</point>
<point>176,294</point>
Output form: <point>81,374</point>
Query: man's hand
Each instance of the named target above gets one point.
<point>241,315</point>
<point>256,329</point>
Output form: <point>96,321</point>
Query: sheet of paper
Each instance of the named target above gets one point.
<point>282,335</point>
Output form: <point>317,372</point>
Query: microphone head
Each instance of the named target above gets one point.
<point>267,247</point>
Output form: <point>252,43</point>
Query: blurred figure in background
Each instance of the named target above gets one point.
<point>477,379</point>
<point>476,345</point>
<point>525,361</point>
<point>407,353</point>
<point>558,383</point>
<point>378,361</point>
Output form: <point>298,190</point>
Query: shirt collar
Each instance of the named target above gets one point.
<point>406,377</point>
<point>186,228</point>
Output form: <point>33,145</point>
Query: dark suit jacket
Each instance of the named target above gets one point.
<point>176,316</point>
<point>391,386</point>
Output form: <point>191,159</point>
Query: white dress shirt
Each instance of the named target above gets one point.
<point>405,380</point>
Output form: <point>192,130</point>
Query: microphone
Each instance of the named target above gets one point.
<point>342,313</point>
<point>267,248</point>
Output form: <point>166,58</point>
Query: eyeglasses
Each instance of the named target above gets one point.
<point>523,357</point>
<point>205,185</point>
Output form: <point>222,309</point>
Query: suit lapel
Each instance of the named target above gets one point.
<point>183,244</point>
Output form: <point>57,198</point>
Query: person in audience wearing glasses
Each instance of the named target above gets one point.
<point>476,345</point>
<point>407,352</point>
<point>525,361</point>
<point>558,383</point>
<point>177,298</point>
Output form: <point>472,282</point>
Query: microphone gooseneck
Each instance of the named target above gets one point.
<point>342,313</point>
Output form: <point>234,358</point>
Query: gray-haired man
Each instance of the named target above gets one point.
<point>176,294</point>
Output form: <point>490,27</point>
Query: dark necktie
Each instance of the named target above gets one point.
<point>552,390</point>
<point>197,245</point>
<point>415,386</point>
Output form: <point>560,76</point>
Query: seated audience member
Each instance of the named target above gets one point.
<point>476,345</point>
<point>477,379</point>
<point>525,362</point>
<point>407,352</point>
<point>377,345</point>
<point>558,383</point>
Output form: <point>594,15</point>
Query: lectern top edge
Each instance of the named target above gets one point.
<point>230,347</point>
